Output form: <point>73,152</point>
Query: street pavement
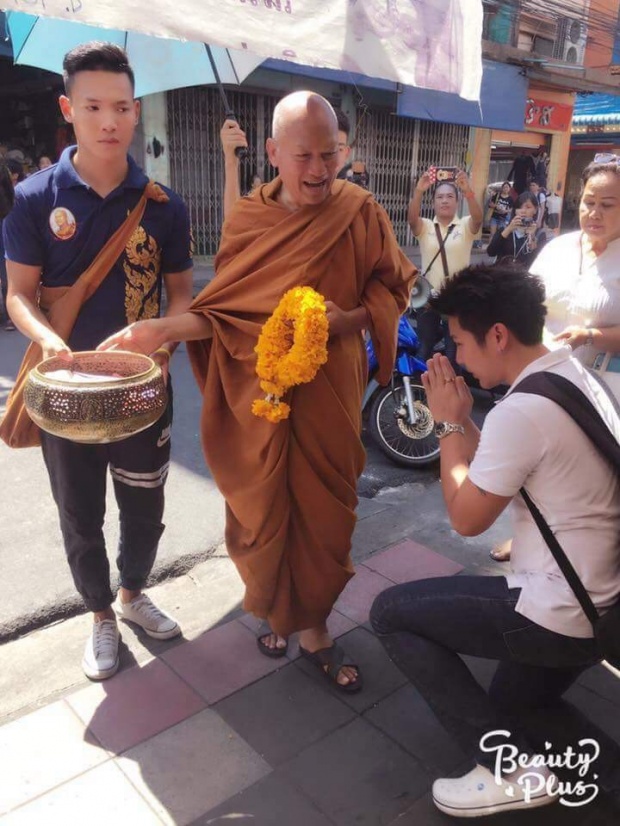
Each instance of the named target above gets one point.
<point>203,729</point>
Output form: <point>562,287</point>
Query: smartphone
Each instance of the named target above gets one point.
<point>446,173</point>
<point>613,365</point>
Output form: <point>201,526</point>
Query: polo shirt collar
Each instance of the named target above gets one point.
<point>456,220</point>
<point>66,176</point>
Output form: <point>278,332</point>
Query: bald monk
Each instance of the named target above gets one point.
<point>290,488</point>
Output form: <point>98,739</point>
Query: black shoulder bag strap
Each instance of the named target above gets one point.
<point>564,393</point>
<point>441,251</point>
<point>442,248</point>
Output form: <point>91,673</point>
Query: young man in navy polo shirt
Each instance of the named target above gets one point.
<point>63,216</point>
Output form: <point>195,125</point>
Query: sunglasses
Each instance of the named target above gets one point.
<point>606,157</point>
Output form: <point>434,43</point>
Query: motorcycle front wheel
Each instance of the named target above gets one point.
<point>411,445</point>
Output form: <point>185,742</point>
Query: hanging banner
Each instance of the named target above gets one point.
<point>433,44</point>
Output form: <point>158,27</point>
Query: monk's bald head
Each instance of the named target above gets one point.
<point>303,108</point>
<point>304,149</point>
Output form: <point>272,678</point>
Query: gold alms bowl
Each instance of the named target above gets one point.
<point>99,397</point>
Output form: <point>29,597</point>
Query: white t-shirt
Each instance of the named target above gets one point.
<point>457,246</point>
<point>586,293</point>
<point>530,441</point>
<point>542,199</point>
<point>554,204</point>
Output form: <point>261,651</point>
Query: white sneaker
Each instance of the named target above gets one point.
<point>148,616</point>
<point>100,659</point>
<point>477,793</point>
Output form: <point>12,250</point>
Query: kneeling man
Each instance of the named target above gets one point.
<point>530,620</point>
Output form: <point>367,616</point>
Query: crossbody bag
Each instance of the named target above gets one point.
<point>427,289</point>
<point>62,306</point>
<point>571,399</point>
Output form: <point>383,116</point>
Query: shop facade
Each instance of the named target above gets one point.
<point>595,129</point>
<point>395,150</point>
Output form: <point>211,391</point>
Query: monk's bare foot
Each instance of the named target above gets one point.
<point>273,641</point>
<point>269,643</point>
<point>313,639</point>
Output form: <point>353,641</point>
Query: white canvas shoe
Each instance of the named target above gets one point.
<point>477,793</point>
<point>148,616</point>
<point>100,659</point>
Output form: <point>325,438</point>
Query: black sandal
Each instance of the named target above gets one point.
<point>274,653</point>
<point>333,658</point>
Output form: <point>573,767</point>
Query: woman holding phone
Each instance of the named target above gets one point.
<point>520,240</point>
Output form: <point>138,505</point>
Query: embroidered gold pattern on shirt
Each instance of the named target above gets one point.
<point>142,265</point>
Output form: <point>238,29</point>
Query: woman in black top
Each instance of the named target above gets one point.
<point>521,240</point>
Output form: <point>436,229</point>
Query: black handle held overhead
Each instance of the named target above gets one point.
<point>241,151</point>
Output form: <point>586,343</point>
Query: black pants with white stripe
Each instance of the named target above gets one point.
<point>78,476</point>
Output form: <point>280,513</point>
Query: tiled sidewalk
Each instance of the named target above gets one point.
<point>211,732</point>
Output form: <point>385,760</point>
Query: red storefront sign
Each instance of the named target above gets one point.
<point>546,115</point>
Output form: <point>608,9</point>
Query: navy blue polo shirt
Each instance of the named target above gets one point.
<point>60,224</point>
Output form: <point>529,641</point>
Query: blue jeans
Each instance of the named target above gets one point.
<point>425,625</point>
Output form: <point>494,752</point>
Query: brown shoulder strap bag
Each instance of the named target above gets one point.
<point>62,306</point>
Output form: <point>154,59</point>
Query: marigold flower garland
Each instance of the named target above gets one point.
<point>291,348</point>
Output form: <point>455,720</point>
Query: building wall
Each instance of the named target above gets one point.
<point>395,150</point>
<point>154,135</point>
<point>560,140</point>
<point>601,38</point>
<point>195,156</point>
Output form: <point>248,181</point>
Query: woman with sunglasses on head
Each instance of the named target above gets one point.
<point>520,240</point>
<point>581,270</point>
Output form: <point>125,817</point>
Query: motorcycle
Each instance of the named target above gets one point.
<point>399,419</point>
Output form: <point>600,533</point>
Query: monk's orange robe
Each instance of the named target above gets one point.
<point>290,488</point>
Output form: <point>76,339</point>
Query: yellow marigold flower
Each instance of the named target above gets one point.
<point>291,348</point>
<point>271,410</point>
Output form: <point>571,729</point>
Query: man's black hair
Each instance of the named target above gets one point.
<point>96,57</point>
<point>527,197</point>
<point>344,124</point>
<point>483,295</point>
<point>15,167</point>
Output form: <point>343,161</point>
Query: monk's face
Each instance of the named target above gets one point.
<point>306,157</point>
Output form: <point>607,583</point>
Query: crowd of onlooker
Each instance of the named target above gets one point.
<point>528,174</point>
<point>21,162</point>
<point>15,165</point>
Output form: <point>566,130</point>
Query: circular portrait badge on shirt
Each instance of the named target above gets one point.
<point>62,223</point>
